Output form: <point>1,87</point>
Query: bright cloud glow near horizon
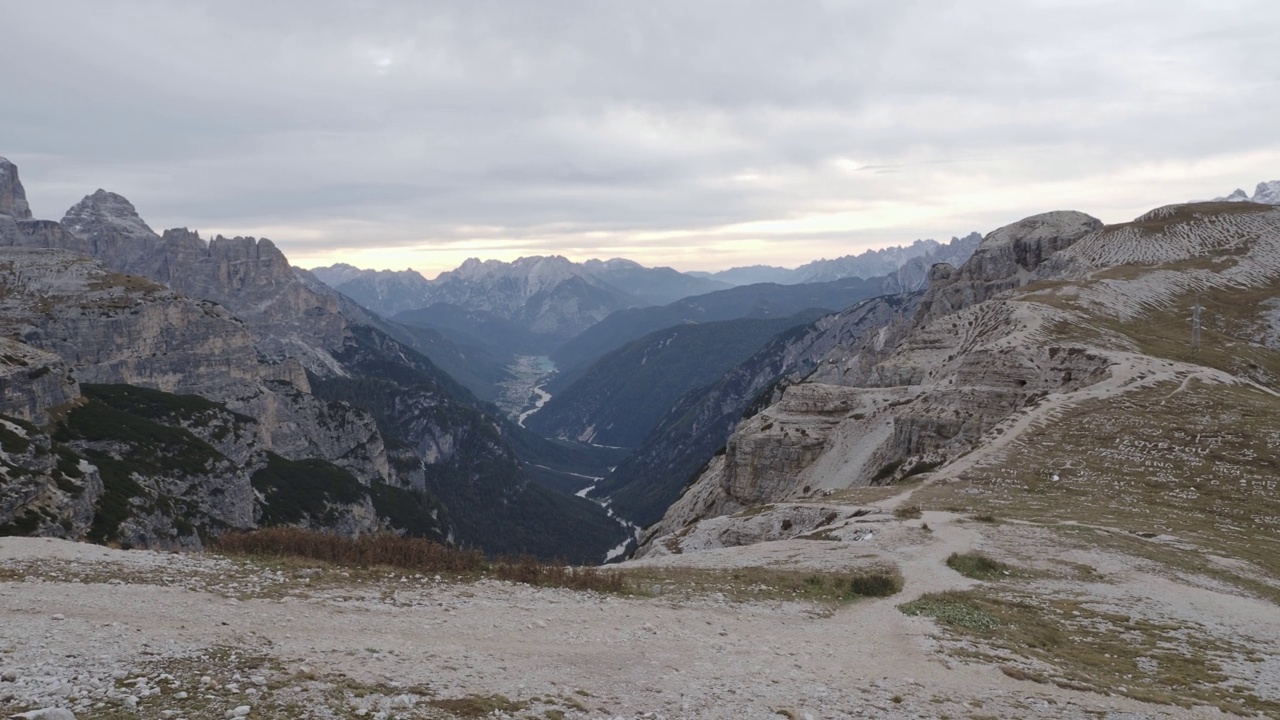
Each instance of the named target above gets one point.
<point>698,135</point>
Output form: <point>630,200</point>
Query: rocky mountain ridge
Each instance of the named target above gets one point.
<point>871,263</point>
<point>229,321</point>
<point>1049,312</point>
<point>543,295</point>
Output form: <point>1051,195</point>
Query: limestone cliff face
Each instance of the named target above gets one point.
<point>18,229</point>
<point>32,382</point>
<point>13,198</point>
<point>114,328</point>
<point>249,277</point>
<point>117,328</point>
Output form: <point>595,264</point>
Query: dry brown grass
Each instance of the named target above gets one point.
<point>374,550</point>
<point>531,571</point>
<point>757,583</point>
<point>414,554</point>
<point>908,512</point>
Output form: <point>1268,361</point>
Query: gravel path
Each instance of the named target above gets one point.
<point>104,631</point>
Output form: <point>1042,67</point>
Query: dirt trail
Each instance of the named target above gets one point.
<point>66,631</point>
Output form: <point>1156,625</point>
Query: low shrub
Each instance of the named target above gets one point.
<point>414,554</point>
<point>531,571</point>
<point>378,549</point>
<point>877,582</point>
<point>977,566</point>
<point>908,512</point>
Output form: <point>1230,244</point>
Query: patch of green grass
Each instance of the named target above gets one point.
<point>13,443</point>
<point>885,472</point>
<point>474,706</point>
<point>115,505</point>
<point>951,608</point>
<point>24,524</point>
<point>977,566</point>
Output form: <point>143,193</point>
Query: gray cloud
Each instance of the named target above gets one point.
<point>651,127</point>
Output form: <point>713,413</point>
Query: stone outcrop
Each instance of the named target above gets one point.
<point>1006,259</point>
<point>13,198</point>
<point>32,382</point>
<point>18,229</point>
<point>768,523</point>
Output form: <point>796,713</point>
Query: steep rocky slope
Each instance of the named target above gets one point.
<point>623,395</point>
<point>1050,312</point>
<point>651,478</point>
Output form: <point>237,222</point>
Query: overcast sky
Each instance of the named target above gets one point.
<point>697,134</point>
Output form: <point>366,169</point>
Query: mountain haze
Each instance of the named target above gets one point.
<point>868,264</point>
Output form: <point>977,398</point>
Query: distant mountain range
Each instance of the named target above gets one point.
<point>535,304</point>
<point>872,263</point>
<point>546,296</point>
<point>1267,193</point>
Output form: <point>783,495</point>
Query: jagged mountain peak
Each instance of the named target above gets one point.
<point>13,198</point>
<point>339,273</point>
<point>262,247</point>
<point>102,211</point>
<point>1266,193</point>
<point>533,274</point>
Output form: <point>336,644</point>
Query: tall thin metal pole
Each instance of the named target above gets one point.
<point>1195,328</point>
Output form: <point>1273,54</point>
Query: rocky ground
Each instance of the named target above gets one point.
<point>118,634</point>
